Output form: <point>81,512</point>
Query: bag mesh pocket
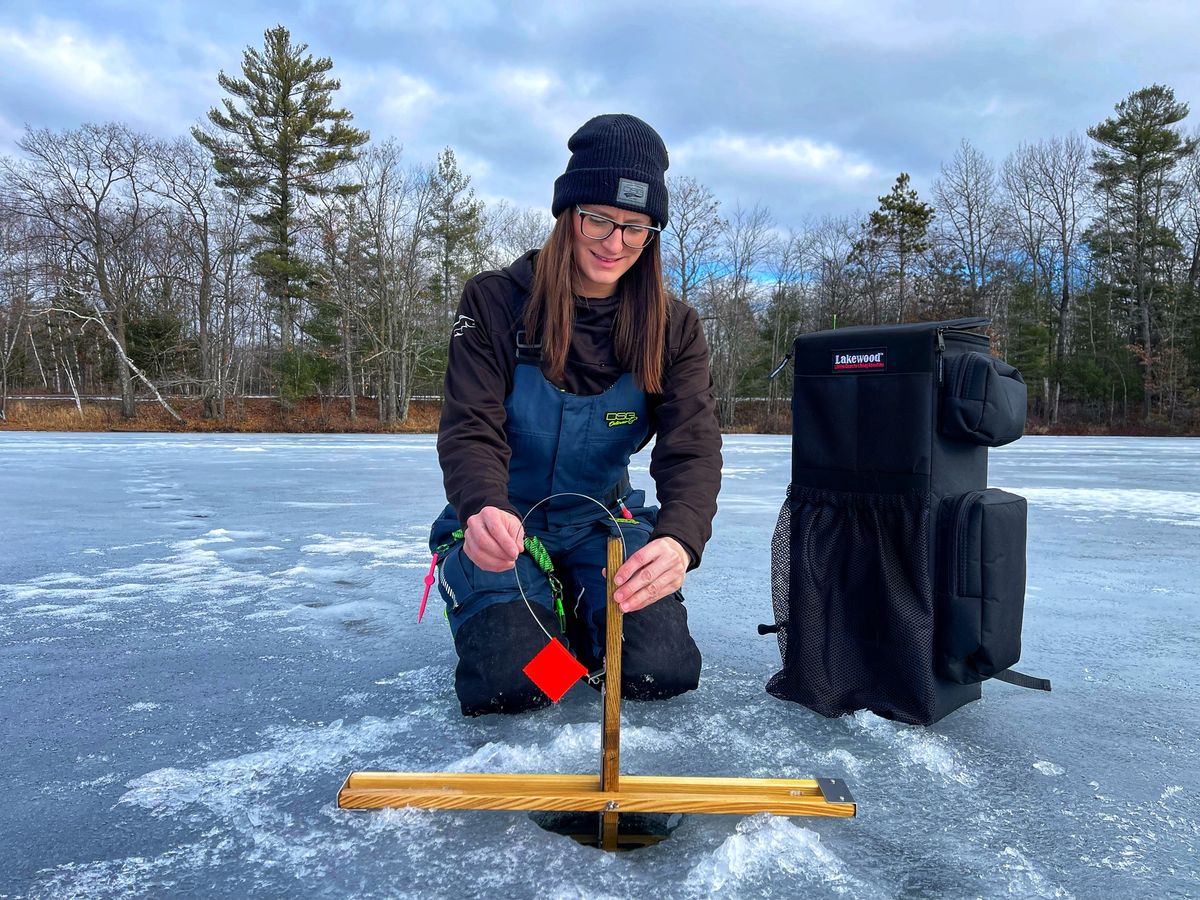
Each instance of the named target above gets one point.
<point>781,571</point>
<point>850,578</point>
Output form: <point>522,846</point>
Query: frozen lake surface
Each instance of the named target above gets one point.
<point>201,635</point>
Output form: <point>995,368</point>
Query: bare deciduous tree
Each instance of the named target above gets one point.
<point>88,186</point>
<point>730,301</point>
<point>969,218</point>
<point>692,237</point>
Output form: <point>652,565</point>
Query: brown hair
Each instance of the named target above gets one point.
<point>640,330</point>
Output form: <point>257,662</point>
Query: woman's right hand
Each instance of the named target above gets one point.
<point>493,539</point>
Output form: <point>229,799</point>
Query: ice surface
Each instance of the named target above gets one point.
<point>201,635</point>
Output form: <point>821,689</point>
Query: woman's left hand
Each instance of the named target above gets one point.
<point>652,573</point>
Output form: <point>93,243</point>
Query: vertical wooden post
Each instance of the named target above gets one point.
<point>610,733</point>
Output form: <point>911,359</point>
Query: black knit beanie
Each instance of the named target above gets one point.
<point>616,160</point>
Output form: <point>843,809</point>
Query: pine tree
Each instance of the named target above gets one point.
<point>1139,153</point>
<point>456,218</point>
<point>900,226</point>
<point>277,141</point>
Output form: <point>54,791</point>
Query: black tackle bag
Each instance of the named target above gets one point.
<point>898,576</point>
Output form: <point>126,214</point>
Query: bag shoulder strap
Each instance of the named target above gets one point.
<point>1020,679</point>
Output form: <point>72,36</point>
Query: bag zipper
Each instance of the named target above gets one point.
<point>958,332</point>
<point>961,380</point>
<point>954,564</point>
<point>779,368</point>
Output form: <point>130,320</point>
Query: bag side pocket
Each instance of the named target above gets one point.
<point>983,400</point>
<point>981,584</point>
<point>859,604</point>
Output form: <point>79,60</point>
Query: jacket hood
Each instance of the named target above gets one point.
<point>521,270</point>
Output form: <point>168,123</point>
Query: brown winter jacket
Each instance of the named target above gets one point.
<point>685,462</point>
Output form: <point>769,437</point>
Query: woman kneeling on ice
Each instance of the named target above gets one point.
<point>561,366</point>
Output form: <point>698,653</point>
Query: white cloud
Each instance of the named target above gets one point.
<point>477,167</point>
<point>10,133</point>
<point>58,62</point>
<point>52,52</point>
<point>797,158</point>
<point>407,101</point>
<point>525,85</point>
<point>444,15</point>
<point>1000,107</point>
<point>398,103</point>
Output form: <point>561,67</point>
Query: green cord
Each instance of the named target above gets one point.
<point>538,552</point>
<point>441,549</point>
<point>540,555</point>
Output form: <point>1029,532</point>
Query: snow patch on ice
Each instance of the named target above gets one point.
<point>1170,507</point>
<point>344,576</point>
<point>231,787</point>
<point>763,844</point>
<point>128,877</point>
<point>358,542</point>
<point>144,706</point>
<point>573,748</point>
<point>247,554</point>
<point>916,747</point>
<point>189,572</point>
<point>740,471</point>
<point>238,535</point>
<point>1024,880</point>
<point>1049,768</point>
<point>840,761</point>
<point>316,504</point>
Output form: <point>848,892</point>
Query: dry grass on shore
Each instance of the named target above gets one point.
<point>326,415</point>
<point>312,414</point>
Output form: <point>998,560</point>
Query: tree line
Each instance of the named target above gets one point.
<point>278,251</point>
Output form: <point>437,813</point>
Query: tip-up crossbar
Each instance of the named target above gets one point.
<point>583,793</point>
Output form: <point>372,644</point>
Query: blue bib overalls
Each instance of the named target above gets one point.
<point>561,442</point>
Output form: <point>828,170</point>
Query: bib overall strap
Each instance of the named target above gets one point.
<point>528,353</point>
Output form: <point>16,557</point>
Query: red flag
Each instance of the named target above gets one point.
<point>554,670</point>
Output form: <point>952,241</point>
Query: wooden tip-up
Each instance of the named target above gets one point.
<point>608,793</point>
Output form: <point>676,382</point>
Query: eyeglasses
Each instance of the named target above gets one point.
<point>598,227</point>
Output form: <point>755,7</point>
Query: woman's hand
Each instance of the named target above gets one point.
<point>493,539</point>
<point>650,574</point>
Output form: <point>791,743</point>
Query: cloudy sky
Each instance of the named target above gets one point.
<point>810,108</point>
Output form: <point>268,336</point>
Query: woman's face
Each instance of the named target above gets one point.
<point>599,265</point>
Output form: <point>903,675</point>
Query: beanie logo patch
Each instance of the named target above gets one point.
<point>632,192</point>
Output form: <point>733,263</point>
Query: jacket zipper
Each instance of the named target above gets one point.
<point>446,585</point>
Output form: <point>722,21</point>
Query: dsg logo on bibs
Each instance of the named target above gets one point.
<point>871,359</point>
<point>620,418</point>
